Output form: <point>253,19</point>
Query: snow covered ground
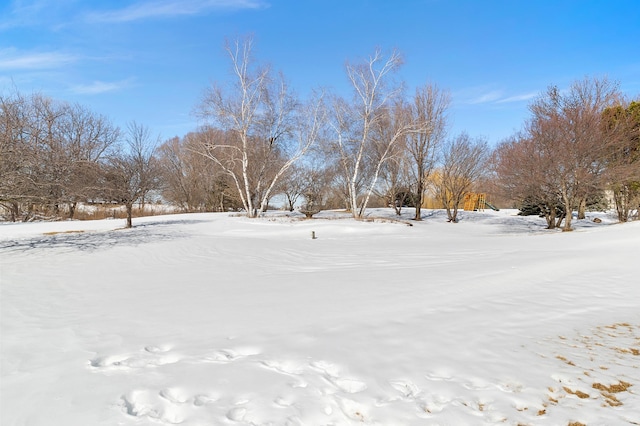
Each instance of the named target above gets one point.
<point>216,319</point>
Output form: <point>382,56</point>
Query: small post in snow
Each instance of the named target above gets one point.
<point>313,235</point>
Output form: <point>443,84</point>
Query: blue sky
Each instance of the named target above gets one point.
<point>150,61</point>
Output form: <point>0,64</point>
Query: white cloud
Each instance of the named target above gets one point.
<point>98,87</point>
<point>171,8</point>
<point>11,59</point>
<point>41,13</point>
<point>491,96</point>
<point>519,98</point>
<point>488,95</point>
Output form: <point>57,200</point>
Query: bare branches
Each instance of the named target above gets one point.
<point>566,128</point>
<point>622,124</point>
<point>464,162</point>
<point>367,129</point>
<point>51,153</point>
<point>267,128</point>
<point>132,172</point>
<point>429,113</point>
<point>560,161</point>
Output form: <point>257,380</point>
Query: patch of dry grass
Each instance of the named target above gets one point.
<point>577,393</point>
<point>63,232</point>
<point>609,391</point>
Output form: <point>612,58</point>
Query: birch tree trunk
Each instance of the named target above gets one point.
<point>267,129</point>
<point>359,125</point>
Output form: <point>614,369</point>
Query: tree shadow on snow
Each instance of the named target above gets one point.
<point>90,241</point>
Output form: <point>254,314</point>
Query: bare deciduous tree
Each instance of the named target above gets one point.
<point>395,186</point>
<point>267,128</point>
<point>429,108</point>
<point>16,153</point>
<point>132,173</point>
<point>50,153</point>
<point>86,139</point>
<point>568,125</point>
<point>292,186</point>
<point>521,168</point>
<point>622,123</point>
<point>367,129</point>
<point>464,161</point>
<point>192,181</point>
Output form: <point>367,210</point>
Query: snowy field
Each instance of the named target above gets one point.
<point>216,319</point>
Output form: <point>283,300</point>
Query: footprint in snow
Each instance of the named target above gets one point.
<point>477,384</point>
<point>348,385</point>
<point>284,367</point>
<point>229,355</point>
<point>175,396</point>
<point>169,406</point>
<point>331,373</point>
<point>146,404</point>
<point>283,401</point>
<point>433,404</point>
<point>237,414</point>
<point>353,410</point>
<point>325,367</point>
<point>150,356</point>
<point>158,349</point>
<point>440,376</point>
<point>406,388</point>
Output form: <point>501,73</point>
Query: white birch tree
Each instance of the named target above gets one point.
<point>267,129</point>
<point>356,126</point>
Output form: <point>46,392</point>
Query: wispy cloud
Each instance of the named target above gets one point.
<point>519,98</point>
<point>41,13</point>
<point>171,8</point>
<point>98,87</point>
<point>484,98</point>
<point>17,13</point>
<point>12,59</point>
<point>486,95</point>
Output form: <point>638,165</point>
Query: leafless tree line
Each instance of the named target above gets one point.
<point>264,141</point>
<point>54,155</point>
<point>258,139</point>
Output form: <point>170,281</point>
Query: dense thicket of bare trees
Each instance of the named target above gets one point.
<point>190,180</point>
<point>51,154</point>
